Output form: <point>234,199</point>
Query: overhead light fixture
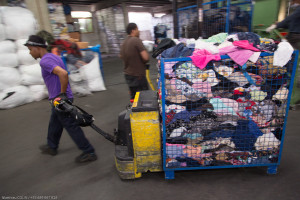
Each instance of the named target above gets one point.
<point>133,6</point>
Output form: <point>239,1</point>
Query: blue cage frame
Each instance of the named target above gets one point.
<point>272,167</point>
<point>228,26</point>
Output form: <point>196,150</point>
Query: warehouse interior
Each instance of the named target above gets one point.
<point>100,27</point>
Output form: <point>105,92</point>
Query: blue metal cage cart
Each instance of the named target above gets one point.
<point>227,16</point>
<point>225,115</point>
<point>187,22</point>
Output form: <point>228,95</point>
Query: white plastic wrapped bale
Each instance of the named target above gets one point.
<point>38,92</point>
<point>78,83</point>
<point>15,96</point>
<point>9,77</point>
<point>8,60</point>
<point>31,74</point>
<point>25,58</point>
<point>18,22</point>
<point>91,72</point>
<point>7,46</point>
<point>148,45</point>
<point>2,32</point>
<point>20,44</point>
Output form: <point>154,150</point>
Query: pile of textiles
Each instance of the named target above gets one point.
<point>228,111</point>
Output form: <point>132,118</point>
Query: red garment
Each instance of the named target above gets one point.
<point>70,47</point>
<point>170,116</point>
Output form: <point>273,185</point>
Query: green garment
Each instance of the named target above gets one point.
<point>219,38</point>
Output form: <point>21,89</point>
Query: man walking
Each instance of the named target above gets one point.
<point>56,79</point>
<point>135,57</point>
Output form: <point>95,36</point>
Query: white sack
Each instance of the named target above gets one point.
<point>38,92</point>
<point>7,46</point>
<point>15,96</point>
<point>27,79</point>
<point>78,83</point>
<point>148,45</point>
<point>31,75</point>
<point>91,72</point>
<point>33,70</point>
<point>8,60</point>
<point>19,22</point>
<point>9,77</point>
<point>2,33</point>
<point>25,58</point>
<point>20,44</point>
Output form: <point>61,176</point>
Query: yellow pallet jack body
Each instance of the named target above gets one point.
<point>143,152</point>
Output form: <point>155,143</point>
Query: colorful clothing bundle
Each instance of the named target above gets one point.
<point>229,111</point>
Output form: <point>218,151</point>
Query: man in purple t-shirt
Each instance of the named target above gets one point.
<point>56,79</point>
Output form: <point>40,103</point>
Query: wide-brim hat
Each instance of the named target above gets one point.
<point>35,40</point>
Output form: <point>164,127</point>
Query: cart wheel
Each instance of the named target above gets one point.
<point>272,169</point>
<point>169,175</point>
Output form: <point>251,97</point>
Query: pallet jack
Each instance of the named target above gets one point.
<point>137,139</point>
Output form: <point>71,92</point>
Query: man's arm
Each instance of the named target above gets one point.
<point>285,23</point>
<point>63,78</point>
<point>145,56</point>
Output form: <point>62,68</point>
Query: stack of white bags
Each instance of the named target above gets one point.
<point>21,80</point>
<point>20,75</point>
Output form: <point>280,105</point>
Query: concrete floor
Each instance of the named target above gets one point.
<point>24,171</point>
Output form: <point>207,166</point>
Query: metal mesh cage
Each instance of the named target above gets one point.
<point>187,22</point>
<point>224,115</point>
<point>226,16</point>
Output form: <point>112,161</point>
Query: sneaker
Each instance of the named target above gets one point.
<point>86,157</point>
<point>48,150</point>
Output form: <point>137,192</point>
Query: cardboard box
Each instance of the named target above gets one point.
<point>75,35</point>
<point>82,45</point>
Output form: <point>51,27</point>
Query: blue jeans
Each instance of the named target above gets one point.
<point>58,121</point>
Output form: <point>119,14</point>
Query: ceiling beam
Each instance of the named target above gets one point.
<point>168,8</point>
<point>107,4</point>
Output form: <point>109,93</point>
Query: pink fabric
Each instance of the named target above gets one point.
<point>168,68</point>
<point>245,45</point>
<point>201,57</point>
<point>228,49</point>
<point>178,145</point>
<point>241,56</point>
<point>237,54</point>
<point>231,103</point>
<point>203,87</point>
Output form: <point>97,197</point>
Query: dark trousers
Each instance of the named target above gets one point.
<point>136,83</point>
<point>294,40</point>
<point>58,121</point>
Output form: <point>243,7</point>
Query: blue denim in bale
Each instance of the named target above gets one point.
<point>189,161</point>
<point>177,51</point>
<point>246,135</point>
<point>185,115</point>
<point>251,37</point>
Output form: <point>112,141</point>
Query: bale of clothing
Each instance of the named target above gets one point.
<point>227,106</point>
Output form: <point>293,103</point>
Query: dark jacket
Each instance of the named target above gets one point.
<point>291,22</point>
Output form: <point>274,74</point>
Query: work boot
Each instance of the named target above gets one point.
<point>86,157</point>
<point>48,150</point>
